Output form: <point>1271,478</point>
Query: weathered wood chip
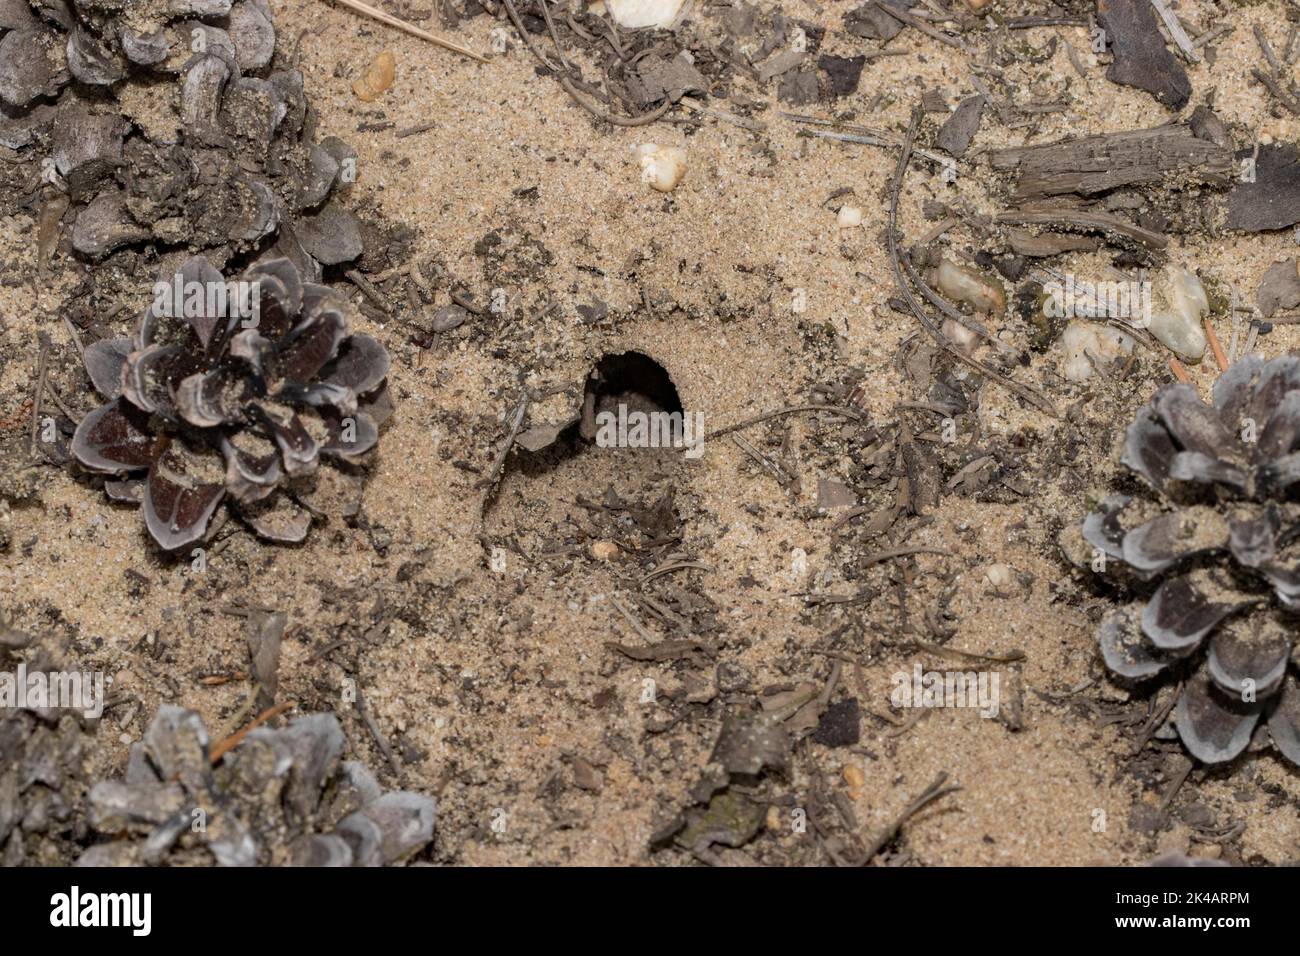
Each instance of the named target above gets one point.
<point>1172,156</point>
<point>871,23</point>
<point>779,63</point>
<point>956,133</point>
<point>1279,289</point>
<point>1272,201</point>
<point>1141,57</point>
<point>1026,243</point>
<point>659,77</point>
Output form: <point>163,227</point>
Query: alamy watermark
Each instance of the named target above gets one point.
<point>130,910</point>
<point>1073,299</point>
<point>193,300</point>
<point>52,690</point>
<point>977,690</point>
<point>637,429</point>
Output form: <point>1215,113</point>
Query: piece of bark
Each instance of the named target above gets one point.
<point>1025,243</point>
<point>1206,125</point>
<point>1172,156</point>
<point>832,494</point>
<point>871,23</point>
<point>1141,58</point>
<point>779,63</point>
<point>798,88</point>
<point>1279,289</point>
<point>1272,201</point>
<point>934,101</point>
<point>1085,220</point>
<point>842,73</point>
<point>658,77</point>
<point>955,134</point>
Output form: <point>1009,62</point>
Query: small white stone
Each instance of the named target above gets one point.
<point>1178,324</point>
<point>998,575</point>
<point>848,217</point>
<point>662,167</point>
<point>635,14</point>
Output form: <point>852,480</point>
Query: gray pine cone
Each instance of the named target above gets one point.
<point>282,797</point>
<point>1219,542</point>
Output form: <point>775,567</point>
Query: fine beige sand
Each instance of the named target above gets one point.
<point>497,689</point>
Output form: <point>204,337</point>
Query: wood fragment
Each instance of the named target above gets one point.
<point>892,553</point>
<point>943,649</point>
<point>918,24</point>
<point>670,568</point>
<point>743,122</point>
<point>1087,220</point>
<point>1170,156</point>
<point>509,443</point>
<point>367,718</point>
<point>38,393</point>
<point>767,464</point>
<point>1176,31</point>
<point>369,291</point>
<point>1274,87</point>
<point>414,130</point>
<point>782,412</point>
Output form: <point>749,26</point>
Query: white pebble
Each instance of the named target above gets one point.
<point>848,217</point>
<point>1178,324</point>
<point>964,340</point>
<point>635,14</point>
<point>662,167</point>
<point>998,575</point>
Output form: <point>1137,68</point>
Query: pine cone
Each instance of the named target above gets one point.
<point>1220,543</point>
<point>283,796</point>
<point>221,404</point>
<point>226,161</point>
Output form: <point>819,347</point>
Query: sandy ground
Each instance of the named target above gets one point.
<point>498,685</point>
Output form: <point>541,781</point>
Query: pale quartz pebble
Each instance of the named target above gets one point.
<point>604,550</point>
<point>1178,324</point>
<point>848,217</point>
<point>1081,339</point>
<point>635,14</point>
<point>999,575</point>
<point>963,339</point>
<point>962,284</point>
<point>662,167</point>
